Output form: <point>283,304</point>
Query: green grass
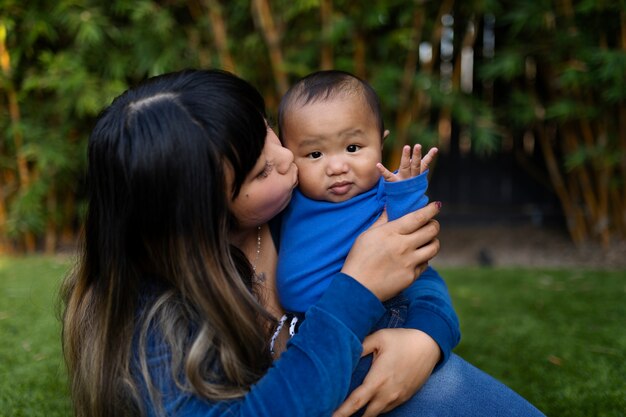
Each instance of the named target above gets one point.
<point>556,337</point>
<point>32,374</point>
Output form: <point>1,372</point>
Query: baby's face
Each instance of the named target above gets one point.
<point>336,144</point>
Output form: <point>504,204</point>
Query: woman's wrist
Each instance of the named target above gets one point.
<point>359,316</point>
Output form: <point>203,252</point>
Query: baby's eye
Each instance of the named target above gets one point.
<point>315,155</point>
<point>353,148</point>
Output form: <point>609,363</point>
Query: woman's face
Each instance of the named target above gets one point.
<point>267,189</point>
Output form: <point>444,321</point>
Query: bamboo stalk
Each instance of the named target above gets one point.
<point>444,9</point>
<point>418,102</point>
<point>603,219</point>
<point>622,148</point>
<point>4,244</point>
<point>573,225</point>
<point>531,169</point>
<point>622,20</point>
<point>619,213</point>
<point>18,138</point>
<point>326,16</point>
<point>263,16</point>
<point>592,138</point>
<point>14,110</point>
<point>445,119</point>
<point>567,8</point>
<point>577,216</point>
<point>68,236</point>
<point>469,39</point>
<point>618,196</point>
<point>51,237</point>
<point>220,34</point>
<point>570,144</point>
<point>404,113</point>
<point>360,69</point>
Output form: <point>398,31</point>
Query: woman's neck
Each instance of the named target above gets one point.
<point>249,241</point>
<point>258,246</point>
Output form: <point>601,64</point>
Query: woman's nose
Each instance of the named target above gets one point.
<point>284,161</point>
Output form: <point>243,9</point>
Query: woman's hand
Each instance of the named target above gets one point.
<point>403,361</point>
<point>389,256</point>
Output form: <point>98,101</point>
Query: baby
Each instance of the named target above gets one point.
<point>331,121</point>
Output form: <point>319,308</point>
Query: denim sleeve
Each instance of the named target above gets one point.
<point>431,311</point>
<point>312,376</point>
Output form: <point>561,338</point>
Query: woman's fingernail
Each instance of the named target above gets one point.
<point>438,204</point>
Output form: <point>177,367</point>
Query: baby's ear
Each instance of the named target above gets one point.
<point>385,134</point>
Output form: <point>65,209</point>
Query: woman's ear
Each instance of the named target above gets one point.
<point>385,134</point>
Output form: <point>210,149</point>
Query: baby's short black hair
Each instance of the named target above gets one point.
<point>326,84</point>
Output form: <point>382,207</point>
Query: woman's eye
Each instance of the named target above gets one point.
<point>353,148</point>
<point>266,171</point>
<point>315,155</point>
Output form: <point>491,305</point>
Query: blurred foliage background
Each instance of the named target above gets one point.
<point>545,80</point>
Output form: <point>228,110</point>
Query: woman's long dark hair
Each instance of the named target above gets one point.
<point>156,241</point>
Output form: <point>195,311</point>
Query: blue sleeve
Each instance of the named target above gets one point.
<point>406,196</point>
<point>312,376</point>
<point>430,306</point>
<point>431,311</point>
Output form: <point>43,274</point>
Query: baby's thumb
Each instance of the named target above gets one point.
<point>386,174</point>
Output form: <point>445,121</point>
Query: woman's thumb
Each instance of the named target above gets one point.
<point>369,345</point>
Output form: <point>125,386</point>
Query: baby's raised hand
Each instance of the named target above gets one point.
<point>410,165</point>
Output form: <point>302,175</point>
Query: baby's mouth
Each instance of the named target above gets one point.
<point>340,188</point>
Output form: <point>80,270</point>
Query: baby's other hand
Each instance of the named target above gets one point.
<point>410,165</point>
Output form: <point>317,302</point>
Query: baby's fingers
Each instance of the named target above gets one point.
<point>428,159</point>
<point>416,160</point>
<point>387,175</point>
<point>406,166</point>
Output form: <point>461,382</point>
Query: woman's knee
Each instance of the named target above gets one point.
<point>460,389</point>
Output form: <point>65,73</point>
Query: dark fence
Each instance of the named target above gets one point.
<point>495,189</point>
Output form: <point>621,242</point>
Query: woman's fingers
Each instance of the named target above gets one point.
<point>413,221</point>
<point>422,267</point>
<point>425,234</point>
<point>424,254</point>
<point>402,362</point>
<point>388,257</point>
<point>369,345</point>
<point>357,400</point>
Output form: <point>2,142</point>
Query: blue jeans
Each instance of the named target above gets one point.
<point>455,389</point>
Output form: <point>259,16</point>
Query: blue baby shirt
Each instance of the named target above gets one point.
<point>316,236</point>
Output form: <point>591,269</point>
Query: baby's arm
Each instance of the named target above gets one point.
<point>410,165</point>
<point>405,190</point>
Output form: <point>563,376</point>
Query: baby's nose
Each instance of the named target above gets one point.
<point>336,165</point>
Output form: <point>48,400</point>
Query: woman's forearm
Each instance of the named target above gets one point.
<point>431,311</point>
<point>309,379</point>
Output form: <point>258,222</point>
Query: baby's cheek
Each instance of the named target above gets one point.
<point>309,187</point>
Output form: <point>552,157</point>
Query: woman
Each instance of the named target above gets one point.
<point>164,314</point>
